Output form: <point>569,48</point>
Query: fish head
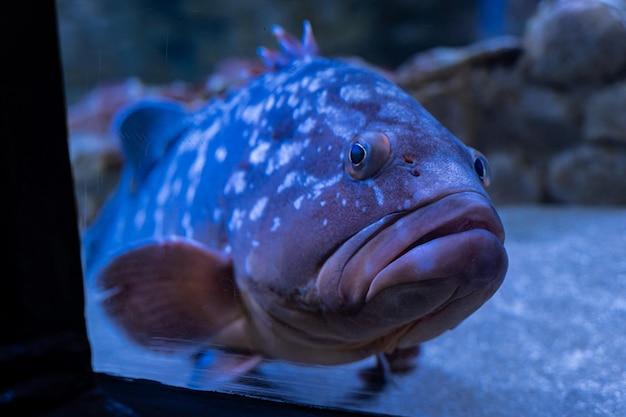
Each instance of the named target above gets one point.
<point>366,226</point>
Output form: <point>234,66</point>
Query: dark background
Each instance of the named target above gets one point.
<point>165,40</point>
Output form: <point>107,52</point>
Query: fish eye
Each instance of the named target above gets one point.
<point>482,170</point>
<point>357,154</point>
<point>367,154</point>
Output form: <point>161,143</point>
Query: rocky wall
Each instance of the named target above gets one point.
<point>548,109</point>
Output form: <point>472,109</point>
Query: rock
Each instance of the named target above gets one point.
<point>95,110</point>
<point>232,72</point>
<point>589,175</point>
<point>513,180</point>
<point>480,95</point>
<point>443,63</point>
<point>605,114</point>
<point>514,115</point>
<point>576,41</point>
<point>442,80</point>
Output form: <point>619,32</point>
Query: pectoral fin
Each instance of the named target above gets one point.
<point>172,292</point>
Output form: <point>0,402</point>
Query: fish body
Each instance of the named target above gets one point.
<point>318,214</point>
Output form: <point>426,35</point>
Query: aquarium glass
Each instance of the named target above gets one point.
<point>308,201</point>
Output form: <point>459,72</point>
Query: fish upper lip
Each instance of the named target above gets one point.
<point>351,284</point>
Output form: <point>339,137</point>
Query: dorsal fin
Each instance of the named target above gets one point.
<point>291,49</point>
<point>147,129</point>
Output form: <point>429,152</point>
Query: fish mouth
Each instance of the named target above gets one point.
<point>411,264</point>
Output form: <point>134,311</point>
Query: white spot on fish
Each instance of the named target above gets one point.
<point>217,215</point>
<point>292,88</point>
<point>323,203</point>
<point>253,138</point>
<point>320,185</point>
<point>255,243</point>
<point>176,186</point>
<point>191,194</point>
<point>395,110</point>
<point>310,180</point>
<point>236,182</point>
<point>158,222</point>
<point>378,193</point>
<point>270,167</point>
<point>289,150</point>
<point>140,219</point>
<point>288,181</point>
<point>210,133</point>
<point>274,81</point>
<point>327,73</point>
<point>343,122</point>
<point>321,100</point>
<point>236,219</point>
<point>198,164</point>
<point>388,90</point>
<point>252,113</point>
<point>315,85</point>
<point>258,208</point>
<point>259,153</point>
<point>221,153</point>
<point>198,118</point>
<point>343,202</point>
<point>190,142</point>
<point>187,225</point>
<point>270,102</point>
<point>306,126</point>
<point>292,100</point>
<point>354,93</point>
<point>298,202</point>
<point>300,111</point>
<point>164,192</point>
<point>325,222</point>
<point>275,224</point>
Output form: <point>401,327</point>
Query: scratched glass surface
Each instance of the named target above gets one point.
<point>316,213</point>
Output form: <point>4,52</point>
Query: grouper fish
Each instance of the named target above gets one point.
<point>317,214</point>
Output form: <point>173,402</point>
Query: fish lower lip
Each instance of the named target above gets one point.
<point>472,258</point>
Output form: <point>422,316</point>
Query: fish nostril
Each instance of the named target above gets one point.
<point>409,159</point>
